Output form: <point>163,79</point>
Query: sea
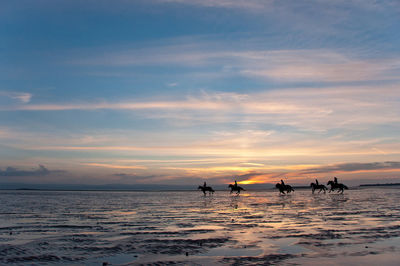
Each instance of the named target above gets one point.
<point>359,227</point>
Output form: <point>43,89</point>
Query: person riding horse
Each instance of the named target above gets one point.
<point>316,185</point>
<point>236,188</point>
<point>335,185</point>
<point>283,187</point>
<point>204,188</point>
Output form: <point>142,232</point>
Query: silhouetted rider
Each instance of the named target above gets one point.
<point>335,180</point>
<point>235,184</point>
<point>204,184</point>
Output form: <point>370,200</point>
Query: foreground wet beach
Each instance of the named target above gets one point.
<point>361,226</point>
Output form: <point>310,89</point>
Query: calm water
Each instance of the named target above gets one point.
<point>88,228</point>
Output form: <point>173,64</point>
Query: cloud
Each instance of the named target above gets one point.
<point>322,66</point>
<point>154,179</point>
<point>263,5</point>
<point>355,167</point>
<point>315,109</point>
<point>172,84</point>
<point>41,171</point>
<point>274,175</point>
<point>5,133</point>
<point>114,166</point>
<point>120,106</point>
<point>296,65</point>
<point>241,4</point>
<point>22,97</point>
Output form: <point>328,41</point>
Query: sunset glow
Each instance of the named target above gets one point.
<point>154,92</point>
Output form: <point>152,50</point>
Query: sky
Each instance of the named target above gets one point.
<point>184,91</point>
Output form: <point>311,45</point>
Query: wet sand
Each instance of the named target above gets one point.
<point>139,228</point>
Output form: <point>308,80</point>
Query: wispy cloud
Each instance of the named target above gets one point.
<point>119,106</point>
<point>172,84</point>
<point>319,65</point>
<point>5,133</point>
<point>300,65</point>
<point>242,4</point>
<point>272,5</point>
<point>23,97</point>
<point>224,149</point>
<point>114,166</point>
<point>311,108</point>
<point>355,167</point>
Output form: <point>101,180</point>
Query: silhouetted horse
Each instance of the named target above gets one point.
<point>205,188</point>
<point>316,185</point>
<point>338,186</point>
<point>282,188</point>
<point>236,188</point>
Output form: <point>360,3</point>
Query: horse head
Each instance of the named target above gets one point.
<point>230,186</point>
<point>278,185</point>
<point>330,182</point>
<point>200,187</point>
<point>312,184</point>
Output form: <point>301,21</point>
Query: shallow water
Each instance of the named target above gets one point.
<point>88,228</point>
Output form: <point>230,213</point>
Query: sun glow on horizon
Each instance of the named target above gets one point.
<point>250,182</point>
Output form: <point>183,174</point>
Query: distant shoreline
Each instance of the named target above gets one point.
<point>380,185</point>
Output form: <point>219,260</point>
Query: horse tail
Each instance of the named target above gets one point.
<point>345,187</point>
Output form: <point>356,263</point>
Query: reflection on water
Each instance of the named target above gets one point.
<point>148,227</point>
